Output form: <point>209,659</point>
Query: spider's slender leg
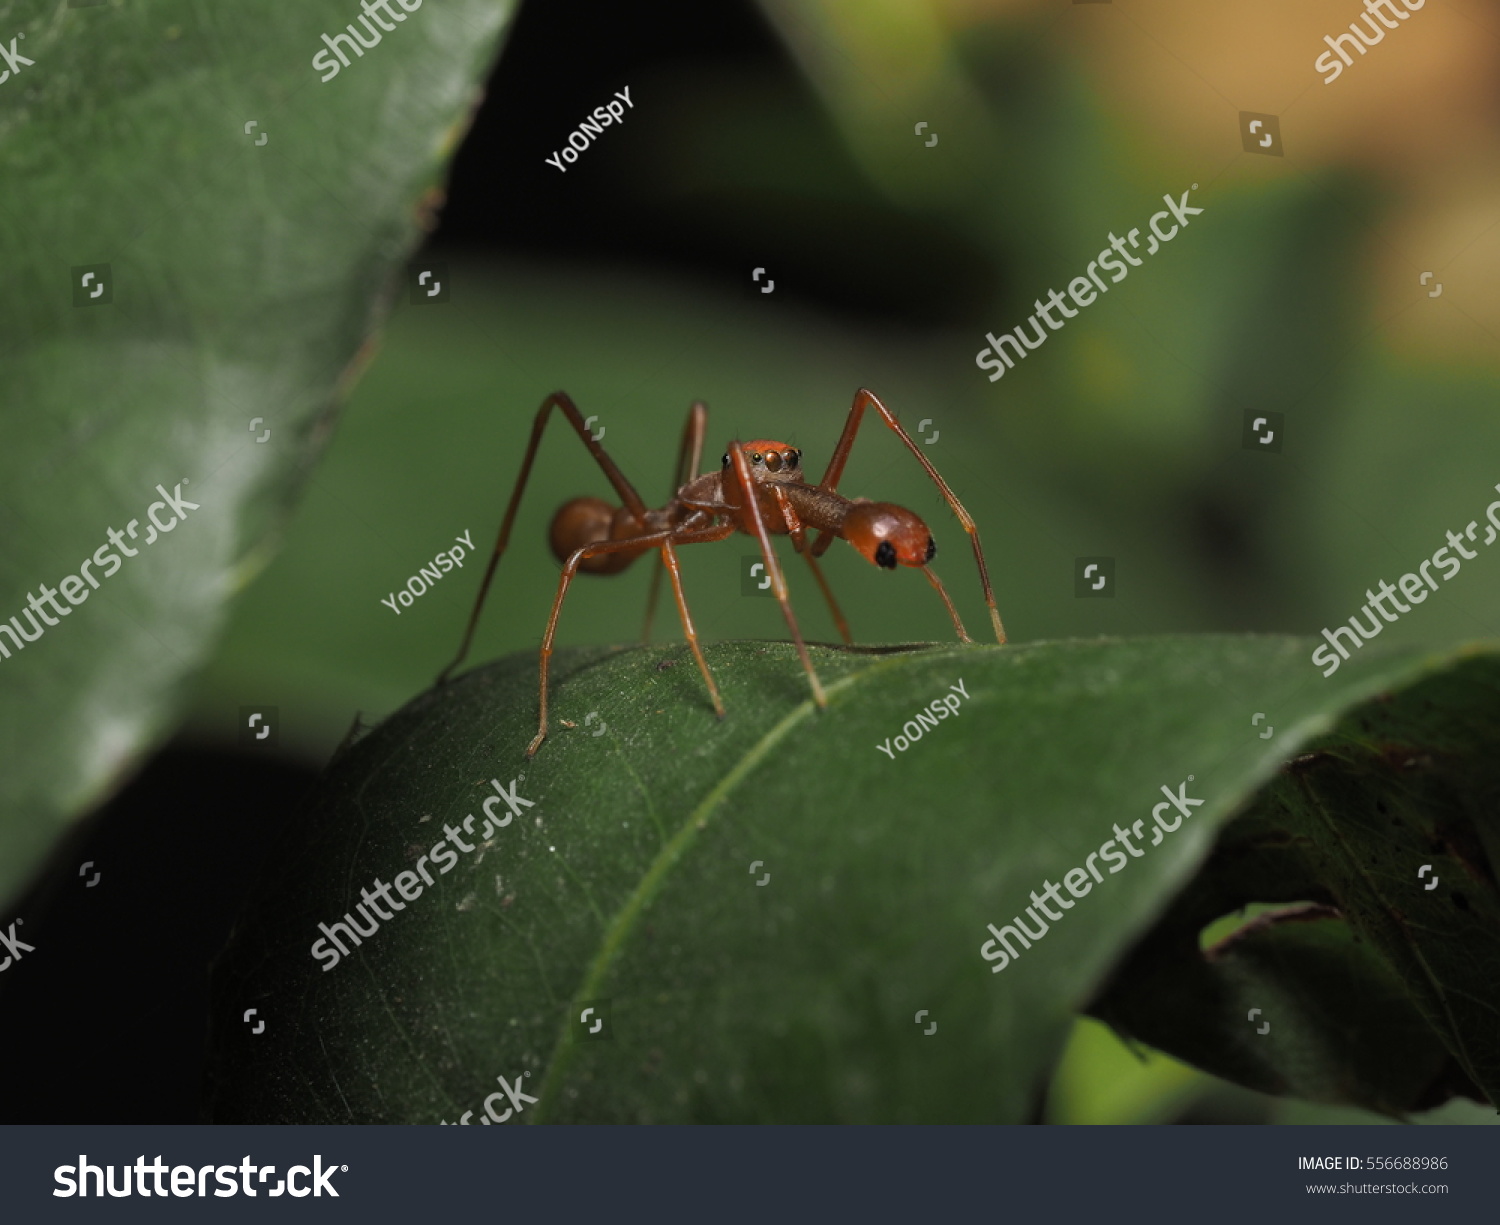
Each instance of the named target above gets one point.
<point>689,458</point>
<point>628,495</point>
<point>864,399</point>
<point>739,481</point>
<point>570,571</point>
<point>798,534</point>
<point>963,635</point>
<point>669,554</point>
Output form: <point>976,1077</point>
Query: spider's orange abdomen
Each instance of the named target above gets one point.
<point>585,521</point>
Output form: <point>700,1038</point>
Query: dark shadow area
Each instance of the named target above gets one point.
<point>109,1014</point>
<point>686,184</point>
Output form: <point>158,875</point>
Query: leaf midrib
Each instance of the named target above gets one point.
<point>650,883</point>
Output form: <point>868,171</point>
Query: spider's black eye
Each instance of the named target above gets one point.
<point>793,458</point>
<point>755,459</point>
<point>726,459</point>
<point>885,555</point>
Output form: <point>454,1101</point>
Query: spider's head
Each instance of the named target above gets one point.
<point>888,535</point>
<point>771,461</point>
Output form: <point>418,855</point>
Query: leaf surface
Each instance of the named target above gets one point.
<point>633,885</point>
<point>233,276</point>
<point>1387,993</point>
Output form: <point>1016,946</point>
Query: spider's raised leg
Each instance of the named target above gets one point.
<point>628,495</point>
<point>864,399</point>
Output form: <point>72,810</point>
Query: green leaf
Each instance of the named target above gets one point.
<point>636,879</point>
<point>240,287</point>
<point>1386,993</point>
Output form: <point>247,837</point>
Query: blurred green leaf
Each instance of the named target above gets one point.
<point>1101,1080</point>
<point>634,879</point>
<point>241,217</point>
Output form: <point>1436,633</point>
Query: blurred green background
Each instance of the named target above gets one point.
<point>782,137</point>
<point>629,288</point>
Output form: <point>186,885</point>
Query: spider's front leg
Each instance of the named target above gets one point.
<point>740,484</point>
<point>863,399</point>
